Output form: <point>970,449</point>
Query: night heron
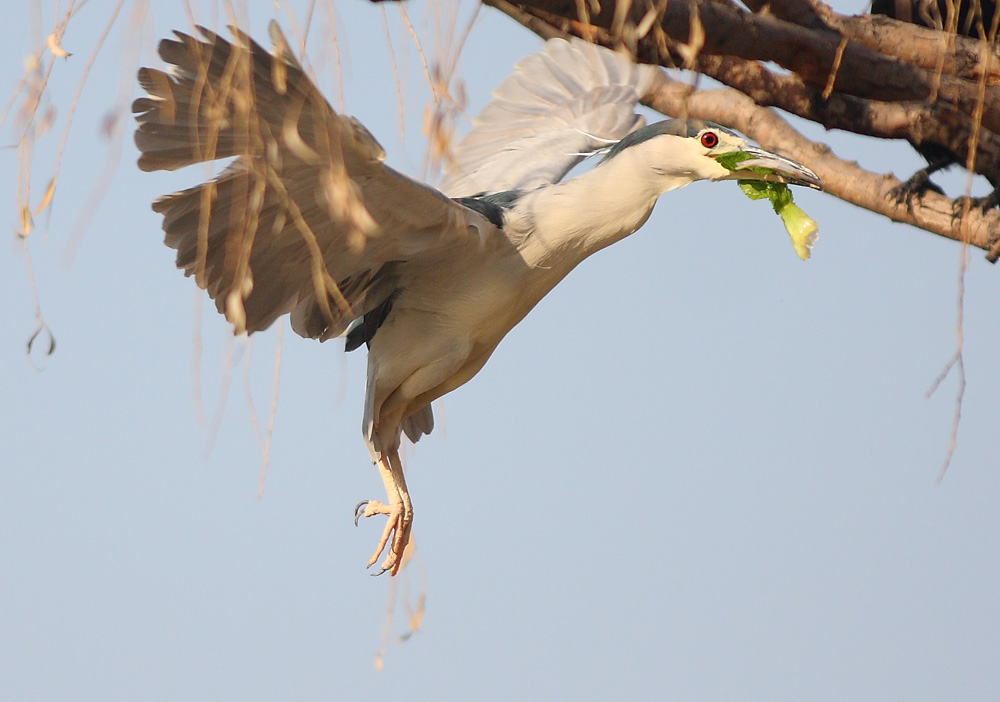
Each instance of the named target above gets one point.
<point>307,219</point>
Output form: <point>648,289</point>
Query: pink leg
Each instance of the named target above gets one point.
<point>399,512</point>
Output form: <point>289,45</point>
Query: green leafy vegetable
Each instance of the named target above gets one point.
<point>732,160</point>
<point>800,227</point>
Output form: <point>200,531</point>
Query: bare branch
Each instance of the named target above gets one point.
<point>810,53</point>
<point>746,109</point>
<point>843,179</point>
<point>918,122</point>
<point>919,46</point>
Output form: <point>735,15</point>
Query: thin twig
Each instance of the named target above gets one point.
<point>79,89</point>
<point>395,74</point>
<point>196,352</point>
<point>332,15</point>
<point>837,58</point>
<point>272,413</point>
<point>227,381</point>
<point>956,361</point>
<point>114,134</point>
<point>420,52</point>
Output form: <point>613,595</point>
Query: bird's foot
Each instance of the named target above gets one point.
<point>396,534</point>
<point>909,191</point>
<point>964,204</point>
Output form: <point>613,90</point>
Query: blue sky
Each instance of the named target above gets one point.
<point>700,469</point>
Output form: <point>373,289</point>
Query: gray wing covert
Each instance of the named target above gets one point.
<point>557,105</point>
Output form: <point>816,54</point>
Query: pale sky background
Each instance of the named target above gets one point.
<point>700,469</point>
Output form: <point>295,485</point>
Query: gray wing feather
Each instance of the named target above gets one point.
<point>307,218</point>
<point>546,113</point>
<point>419,423</point>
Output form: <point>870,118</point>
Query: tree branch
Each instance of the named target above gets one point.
<point>746,109</point>
<point>937,51</point>
<point>810,53</point>
<point>843,179</point>
<point>919,122</point>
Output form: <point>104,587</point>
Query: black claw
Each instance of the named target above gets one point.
<point>359,511</point>
<point>375,575</point>
<point>958,206</point>
<point>912,189</point>
<point>984,204</point>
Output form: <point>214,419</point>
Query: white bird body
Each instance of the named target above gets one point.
<point>470,302</point>
<point>308,220</point>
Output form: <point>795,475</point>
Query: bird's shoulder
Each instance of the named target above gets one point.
<point>493,206</point>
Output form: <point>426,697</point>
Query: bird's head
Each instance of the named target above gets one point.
<point>679,152</point>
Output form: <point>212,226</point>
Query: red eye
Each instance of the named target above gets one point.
<point>709,140</point>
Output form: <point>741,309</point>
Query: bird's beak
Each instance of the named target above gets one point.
<point>755,163</point>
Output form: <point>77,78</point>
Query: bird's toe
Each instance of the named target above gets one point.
<point>907,192</point>
<point>964,204</point>
<point>395,535</point>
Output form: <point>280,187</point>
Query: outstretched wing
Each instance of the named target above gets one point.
<point>307,218</point>
<point>568,100</point>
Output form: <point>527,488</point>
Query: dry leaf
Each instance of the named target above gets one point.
<point>53,43</point>
<point>25,222</point>
<point>52,340</point>
<point>47,198</point>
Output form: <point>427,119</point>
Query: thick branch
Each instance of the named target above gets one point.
<point>843,179</point>
<point>919,122</point>
<point>810,53</point>
<point>937,51</point>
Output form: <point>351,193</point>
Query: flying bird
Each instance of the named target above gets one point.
<point>308,220</point>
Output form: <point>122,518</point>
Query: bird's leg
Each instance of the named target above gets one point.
<point>399,512</point>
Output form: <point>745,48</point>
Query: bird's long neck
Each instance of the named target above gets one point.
<point>571,220</point>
